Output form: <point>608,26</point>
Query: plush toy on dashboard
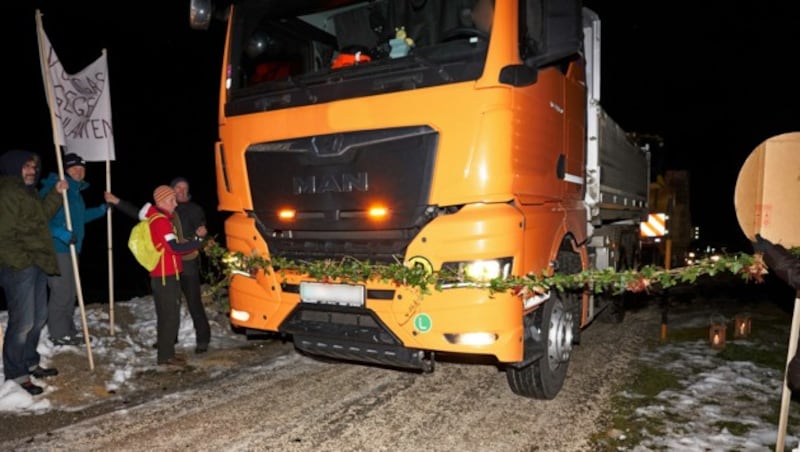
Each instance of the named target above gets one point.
<point>401,44</point>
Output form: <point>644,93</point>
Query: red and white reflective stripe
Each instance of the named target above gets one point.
<point>655,226</point>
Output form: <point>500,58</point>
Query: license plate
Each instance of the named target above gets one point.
<point>339,294</point>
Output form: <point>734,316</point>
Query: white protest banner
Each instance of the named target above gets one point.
<point>81,103</point>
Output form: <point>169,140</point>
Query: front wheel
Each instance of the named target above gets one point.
<point>553,324</point>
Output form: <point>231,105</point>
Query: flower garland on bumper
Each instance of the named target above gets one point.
<point>225,264</point>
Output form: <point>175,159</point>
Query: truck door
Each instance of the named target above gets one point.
<point>551,131</point>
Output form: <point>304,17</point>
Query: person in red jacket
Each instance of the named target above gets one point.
<point>786,266</point>
<point>165,277</point>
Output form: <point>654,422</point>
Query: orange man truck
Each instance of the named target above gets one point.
<point>402,131</point>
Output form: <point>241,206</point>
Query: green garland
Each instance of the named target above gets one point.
<point>226,263</point>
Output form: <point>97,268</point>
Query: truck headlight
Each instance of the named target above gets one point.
<point>470,273</point>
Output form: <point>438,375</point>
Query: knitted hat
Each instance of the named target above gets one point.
<point>71,160</point>
<point>162,192</point>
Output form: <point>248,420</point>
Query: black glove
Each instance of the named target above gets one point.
<point>72,239</point>
<point>761,245</point>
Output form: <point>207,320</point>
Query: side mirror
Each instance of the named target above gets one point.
<point>200,14</point>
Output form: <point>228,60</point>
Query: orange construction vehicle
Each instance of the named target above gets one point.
<point>484,149</point>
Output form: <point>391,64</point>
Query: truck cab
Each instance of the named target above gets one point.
<point>446,135</point>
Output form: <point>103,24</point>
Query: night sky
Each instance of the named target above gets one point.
<point>713,81</point>
<point>164,89</point>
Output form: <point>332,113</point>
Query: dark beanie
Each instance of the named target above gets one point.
<point>178,180</point>
<point>71,160</point>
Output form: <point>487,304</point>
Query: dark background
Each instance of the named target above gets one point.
<point>712,80</point>
<point>164,80</point>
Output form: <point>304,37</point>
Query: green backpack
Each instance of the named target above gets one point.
<point>141,244</point>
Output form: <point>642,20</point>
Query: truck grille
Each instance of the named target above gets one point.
<point>331,181</point>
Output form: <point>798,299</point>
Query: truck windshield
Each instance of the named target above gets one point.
<point>284,54</point>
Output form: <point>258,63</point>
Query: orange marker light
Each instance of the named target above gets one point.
<point>378,212</point>
<point>287,214</point>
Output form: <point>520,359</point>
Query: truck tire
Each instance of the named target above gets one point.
<point>544,378</point>
<point>553,328</point>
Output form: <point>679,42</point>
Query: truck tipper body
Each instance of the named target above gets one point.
<point>394,131</point>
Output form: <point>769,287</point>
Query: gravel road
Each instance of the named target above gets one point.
<point>274,398</point>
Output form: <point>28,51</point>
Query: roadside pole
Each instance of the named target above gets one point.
<point>787,393</point>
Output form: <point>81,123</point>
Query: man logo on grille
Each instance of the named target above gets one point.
<point>330,183</point>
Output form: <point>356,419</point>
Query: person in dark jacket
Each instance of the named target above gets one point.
<point>190,222</point>
<point>27,256</point>
<point>63,290</point>
<point>785,266</point>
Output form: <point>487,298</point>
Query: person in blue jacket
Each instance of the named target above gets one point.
<point>63,290</point>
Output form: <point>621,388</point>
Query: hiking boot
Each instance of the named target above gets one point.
<point>31,388</point>
<point>177,360</point>
<point>201,348</point>
<point>173,362</point>
<point>67,340</point>
<point>42,372</point>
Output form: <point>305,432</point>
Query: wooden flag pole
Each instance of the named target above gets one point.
<point>55,126</point>
<point>110,255</point>
<point>110,240</point>
<point>787,393</point>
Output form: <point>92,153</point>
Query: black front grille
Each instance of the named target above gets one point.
<point>331,181</point>
<point>364,245</point>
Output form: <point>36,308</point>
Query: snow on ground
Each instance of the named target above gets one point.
<point>719,403</point>
<point>716,392</point>
<point>690,416</point>
<point>125,362</point>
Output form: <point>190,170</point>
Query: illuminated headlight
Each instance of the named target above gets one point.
<point>241,316</point>
<point>458,274</point>
<point>473,339</point>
